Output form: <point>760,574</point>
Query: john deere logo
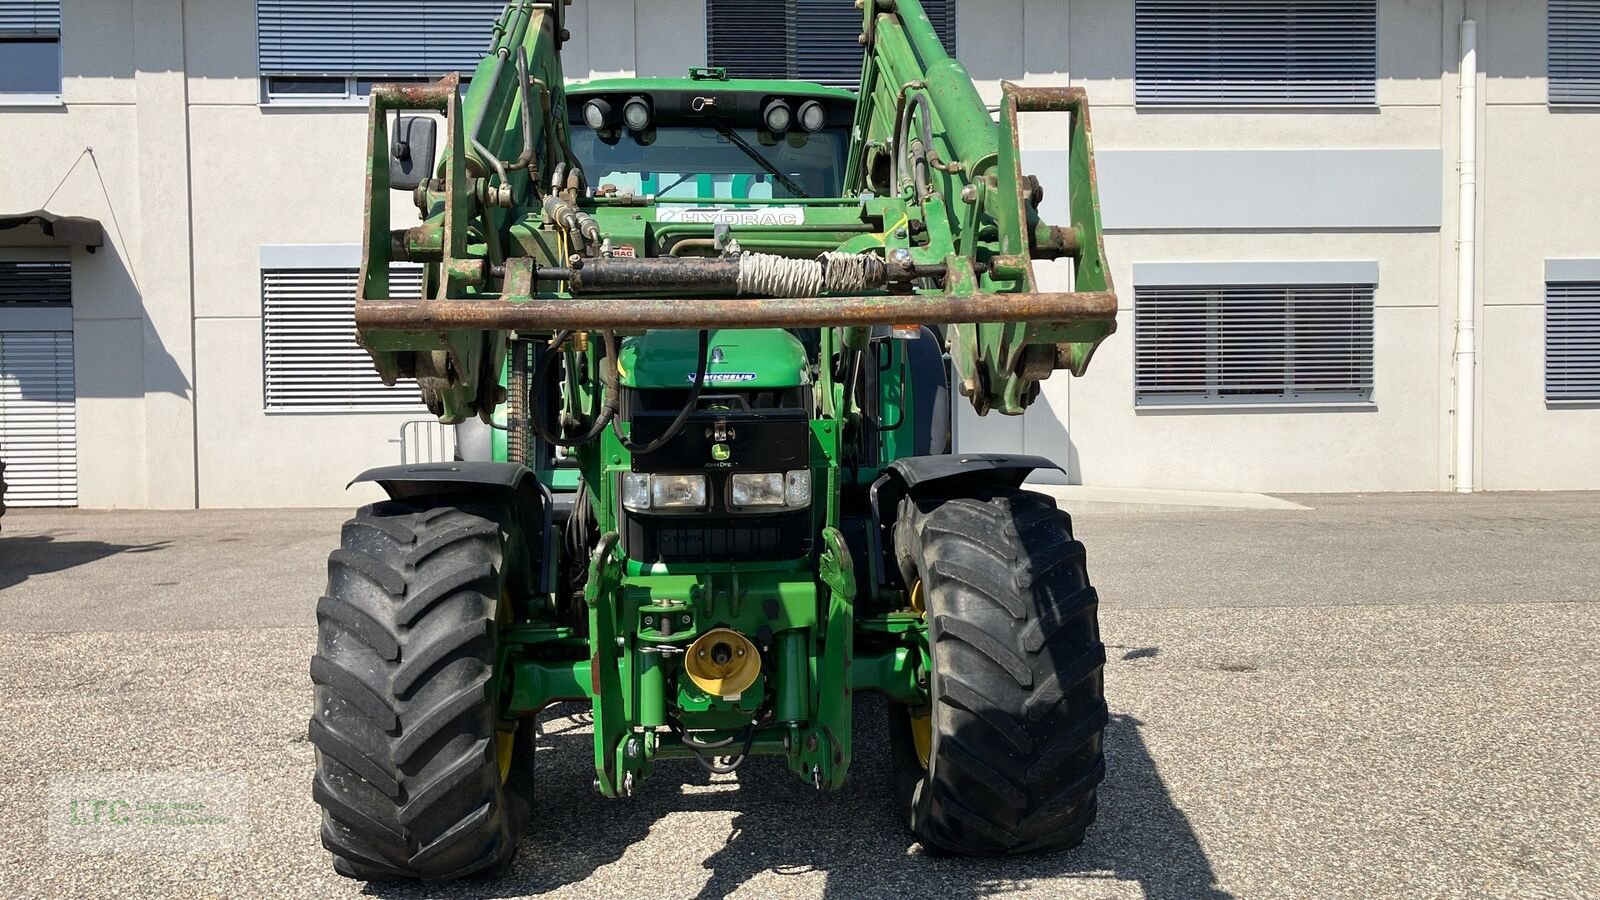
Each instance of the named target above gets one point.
<point>720,452</point>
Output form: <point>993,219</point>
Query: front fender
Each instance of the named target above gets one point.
<point>944,472</point>
<point>512,484</point>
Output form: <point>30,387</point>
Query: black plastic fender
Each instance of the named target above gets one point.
<point>526,497</point>
<point>944,473</point>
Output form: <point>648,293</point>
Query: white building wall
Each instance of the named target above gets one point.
<point>1540,200</point>
<point>198,176</point>
<point>1224,206</point>
<point>128,376</point>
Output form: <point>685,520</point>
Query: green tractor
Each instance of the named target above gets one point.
<point>698,335</point>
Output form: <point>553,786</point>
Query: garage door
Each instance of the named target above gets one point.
<point>38,414</point>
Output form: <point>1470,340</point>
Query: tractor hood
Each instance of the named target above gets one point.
<point>743,358</point>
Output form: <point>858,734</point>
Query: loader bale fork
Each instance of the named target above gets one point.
<point>700,336</point>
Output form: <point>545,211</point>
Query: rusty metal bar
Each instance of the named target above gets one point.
<point>1047,99</point>
<point>637,313</point>
<point>432,96</point>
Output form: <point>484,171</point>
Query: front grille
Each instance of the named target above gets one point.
<point>715,397</point>
<point>766,441</point>
<point>699,539</point>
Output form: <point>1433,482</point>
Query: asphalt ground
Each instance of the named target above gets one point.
<point>1381,696</point>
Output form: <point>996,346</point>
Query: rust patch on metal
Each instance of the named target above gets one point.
<point>633,313</point>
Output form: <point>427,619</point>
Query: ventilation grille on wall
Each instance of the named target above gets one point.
<point>373,37</point>
<point>1284,344</point>
<point>30,17</point>
<point>1256,52</point>
<point>1574,52</point>
<point>311,360</point>
<point>1572,341</point>
<point>804,40</point>
<point>36,283</point>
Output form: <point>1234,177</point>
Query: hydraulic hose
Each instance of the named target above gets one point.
<point>609,401</point>
<point>905,145</point>
<point>606,414</point>
<point>683,414</point>
<point>733,763</point>
<point>702,749</point>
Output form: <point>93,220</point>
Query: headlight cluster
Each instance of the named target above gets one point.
<point>746,490</point>
<point>640,491</point>
<point>600,115</point>
<point>778,118</point>
<point>792,489</point>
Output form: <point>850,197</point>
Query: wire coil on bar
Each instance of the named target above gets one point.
<point>768,275</point>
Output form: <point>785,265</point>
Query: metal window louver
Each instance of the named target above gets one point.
<point>805,40</point>
<point>38,418</point>
<point>35,284</point>
<point>1244,344</point>
<point>30,18</point>
<point>310,357</point>
<point>1572,341</point>
<point>372,38</point>
<point>1573,55</point>
<point>38,396</point>
<point>1256,52</point>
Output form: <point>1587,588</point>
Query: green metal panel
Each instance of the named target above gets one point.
<point>744,358</point>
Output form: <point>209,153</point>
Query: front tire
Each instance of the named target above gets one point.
<point>416,773</point>
<point>1008,758</point>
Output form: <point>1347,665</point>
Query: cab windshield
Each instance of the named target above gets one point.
<point>680,162</point>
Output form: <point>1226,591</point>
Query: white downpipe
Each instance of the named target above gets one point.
<point>1466,347</point>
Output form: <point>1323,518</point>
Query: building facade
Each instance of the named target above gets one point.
<point>1281,196</point>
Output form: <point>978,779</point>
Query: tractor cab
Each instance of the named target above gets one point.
<point>708,137</point>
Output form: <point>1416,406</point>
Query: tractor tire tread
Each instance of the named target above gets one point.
<point>1019,712</point>
<point>350,688</point>
<point>423,598</point>
<point>440,649</point>
<point>344,751</point>
<point>362,625</point>
<point>405,724</point>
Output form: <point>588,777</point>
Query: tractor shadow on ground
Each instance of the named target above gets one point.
<point>26,555</point>
<point>784,830</point>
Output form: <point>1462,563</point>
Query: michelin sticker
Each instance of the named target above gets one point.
<point>725,377</point>
<point>726,215</point>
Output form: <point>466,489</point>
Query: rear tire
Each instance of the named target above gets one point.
<point>407,730</point>
<point>1017,705</point>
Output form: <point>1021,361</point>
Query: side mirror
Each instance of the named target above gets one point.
<point>411,152</point>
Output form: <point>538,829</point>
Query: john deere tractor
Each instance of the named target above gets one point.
<point>699,335</point>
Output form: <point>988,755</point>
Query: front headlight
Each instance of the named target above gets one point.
<point>762,489</point>
<point>757,489</point>
<point>677,491</point>
<point>641,492</point>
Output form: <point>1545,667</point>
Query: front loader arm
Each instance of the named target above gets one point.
<point>504,140</point>
<point>923,134</point>
<point>937,182</point>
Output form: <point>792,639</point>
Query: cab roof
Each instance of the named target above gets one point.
<point>744,85</point>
